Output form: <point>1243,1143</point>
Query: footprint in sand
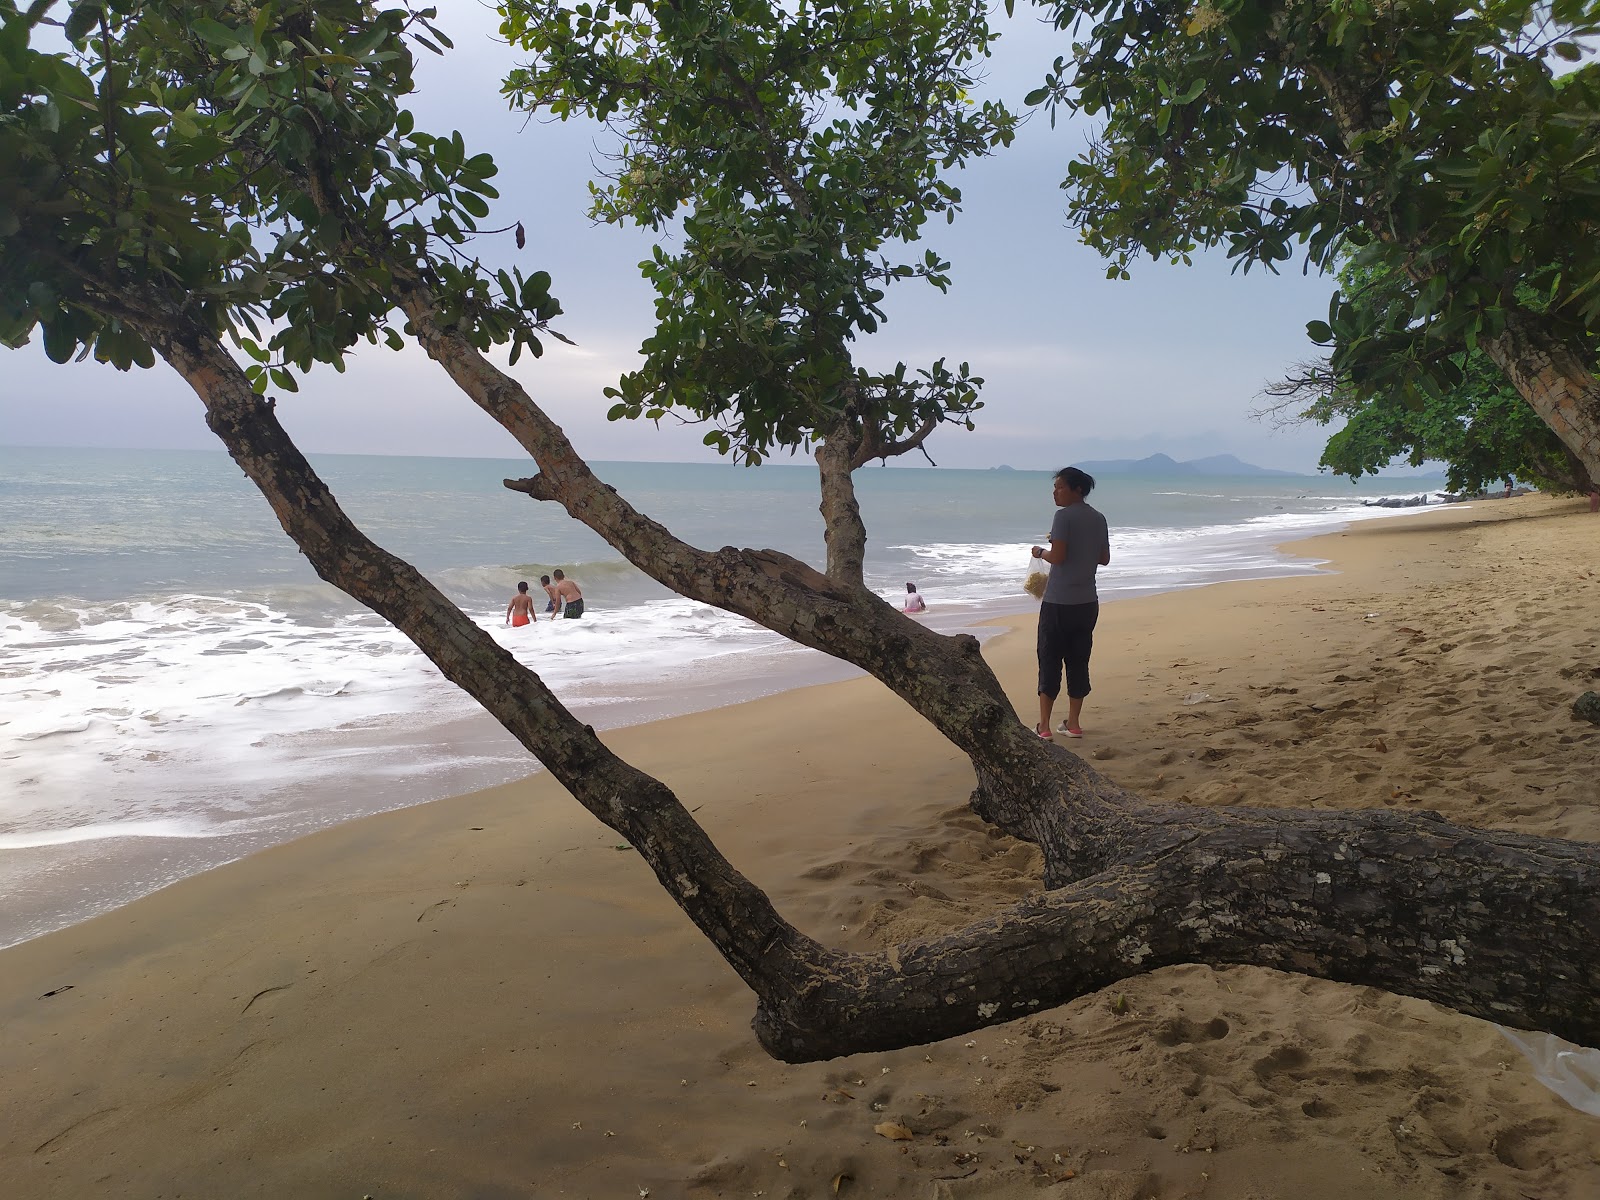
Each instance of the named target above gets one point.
<point>1179,1031</point>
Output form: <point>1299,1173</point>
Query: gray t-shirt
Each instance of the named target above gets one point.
<point>1083,529</point>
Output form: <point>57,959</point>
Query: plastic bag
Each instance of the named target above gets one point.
<point>1038,576</point>
<point>1571,1072</point>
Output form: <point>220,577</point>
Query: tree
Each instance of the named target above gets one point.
<point>278,179</point>
<point>1479,427</point>
<point>1482,431</point>
<point>1433,139</point>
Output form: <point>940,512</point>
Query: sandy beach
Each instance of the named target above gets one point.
<point>489,996</point>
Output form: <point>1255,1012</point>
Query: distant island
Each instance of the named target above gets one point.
<point>1164,465</point>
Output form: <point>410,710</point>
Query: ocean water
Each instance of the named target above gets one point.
<point>177,688</point>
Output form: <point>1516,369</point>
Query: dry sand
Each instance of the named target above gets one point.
<point>490,997</point>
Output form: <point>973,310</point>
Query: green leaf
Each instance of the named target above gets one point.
<point>83,19</point>
<point>59,343</point>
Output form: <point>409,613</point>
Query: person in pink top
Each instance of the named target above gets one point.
<point>914,602</point>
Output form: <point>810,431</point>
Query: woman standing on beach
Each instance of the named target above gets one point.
<point>1079,546</point>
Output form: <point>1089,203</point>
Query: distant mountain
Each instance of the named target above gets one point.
<point>1164,465</point>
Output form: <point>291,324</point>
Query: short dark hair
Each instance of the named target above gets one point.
<point>523,586</point>
<point>543,579</point>
<point>559,574</point>
<point>1079,481</point>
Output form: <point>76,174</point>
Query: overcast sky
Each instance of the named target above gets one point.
<point>1077,367</point>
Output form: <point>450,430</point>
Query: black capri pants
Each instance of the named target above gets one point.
<point>1066,637</point>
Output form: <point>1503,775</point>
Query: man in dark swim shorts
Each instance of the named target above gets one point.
<point>570,595</point>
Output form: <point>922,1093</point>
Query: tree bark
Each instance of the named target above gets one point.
<point>943,678</point>
<point>731,911</point>
<point>843,530</point>
<point>1559,385</point>
<point>1494,924</point>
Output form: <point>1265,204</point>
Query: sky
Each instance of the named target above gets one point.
<point>1077,367</point>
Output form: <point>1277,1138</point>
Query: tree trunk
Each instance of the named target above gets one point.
<point>1492,924</point>
<point>1498,925</point>
<point>1560,385</point>
<point>843,530</point>
<point>944,678</point>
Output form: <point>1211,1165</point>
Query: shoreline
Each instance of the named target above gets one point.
<point>68,876</point>
<point>483,996</point>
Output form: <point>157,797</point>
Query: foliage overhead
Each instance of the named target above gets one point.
<point>797,152</point>
<point>1481,430</point>
<point>235,158</point>
<point>1479,427</point>
<point>1431,137</point>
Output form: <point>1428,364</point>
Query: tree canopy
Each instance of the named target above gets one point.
<point>198,172</point>
<point>799,153</point>
<point>1437,141</point>
<point>1478,426</point>
<point>227,163</point>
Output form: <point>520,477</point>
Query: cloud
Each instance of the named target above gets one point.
<point>1069,357</point>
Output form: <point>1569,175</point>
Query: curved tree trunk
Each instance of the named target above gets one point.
<point>943,678</point>
<point>1493,924</point>
<point>1559,385</point>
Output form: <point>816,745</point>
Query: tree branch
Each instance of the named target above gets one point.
<point>876,447</point>
<point>734,914</point>
<point>1494,924</point>
<point>839,617</point>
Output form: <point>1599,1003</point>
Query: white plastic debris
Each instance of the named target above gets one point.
<point>1570,1071</point>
